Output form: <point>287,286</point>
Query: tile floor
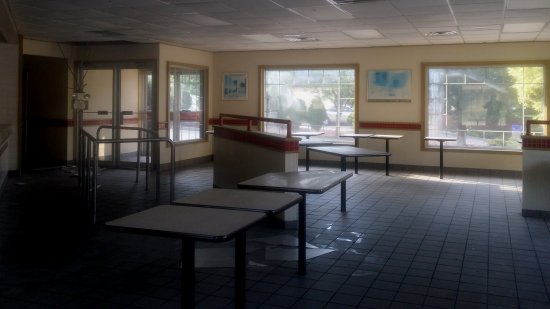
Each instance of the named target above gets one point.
<point>408,240</point>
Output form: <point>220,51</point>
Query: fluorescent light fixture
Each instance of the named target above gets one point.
<point>523,27</point>
<point>364,34</point>
<point>264,38</point>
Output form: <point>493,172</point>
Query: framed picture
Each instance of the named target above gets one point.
<point>389,86</point>
<point>235,86</point>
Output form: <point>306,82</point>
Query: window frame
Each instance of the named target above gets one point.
<point>424,93</point>
<point>351,66</point>
<point>203,124</point>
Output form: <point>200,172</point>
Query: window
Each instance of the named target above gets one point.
<point>484,107</point>
<point>186,99</point>
<point>314,99</point>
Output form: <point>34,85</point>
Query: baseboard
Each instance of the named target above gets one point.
<point>535,213</point>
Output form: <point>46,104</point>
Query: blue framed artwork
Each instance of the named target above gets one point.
<point>235,86</point>
<point>389,86</point>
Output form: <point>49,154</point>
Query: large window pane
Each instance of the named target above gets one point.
<point>321,100</point>
<point>186,102</point>
<point>484,107</point>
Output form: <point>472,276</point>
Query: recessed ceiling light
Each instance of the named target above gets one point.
<point>299,38</point>
<point>264,38</point>
<point>363,34</point>
<point>440,33</point>
<point>523,27</point>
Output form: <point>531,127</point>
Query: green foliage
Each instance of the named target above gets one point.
<point>317,113</point>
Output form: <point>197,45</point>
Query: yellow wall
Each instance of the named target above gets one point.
<point>407,150</point>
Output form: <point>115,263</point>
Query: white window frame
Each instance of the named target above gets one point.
<point>508,136</point>
<point>336,127</point>
<point>197,110</point>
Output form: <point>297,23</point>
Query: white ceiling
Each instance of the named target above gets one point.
<point>235,25</point>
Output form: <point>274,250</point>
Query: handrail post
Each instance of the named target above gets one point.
<point>94,179</point>
<point>172,171</point>
<point>289,129</point>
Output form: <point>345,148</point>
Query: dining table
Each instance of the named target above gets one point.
<point>268,203</point>
<point>303,183</point>
<point>441,140</point>
<point>345,152</point>
<point>386,137</point>
<point>191,224</point>
<point>306,143</point>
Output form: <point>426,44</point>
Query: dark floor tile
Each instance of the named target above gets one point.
<point>406,243</point>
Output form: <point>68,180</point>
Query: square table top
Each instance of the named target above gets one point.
<point>313,142</point>
<point>206,224</point>
<point>386,136</point>
<point>442,139</point>
<point>316,182</point>
<point>350,151</point>
<point>237,199</point>
<point>357,135</point>
<point>307,133</point>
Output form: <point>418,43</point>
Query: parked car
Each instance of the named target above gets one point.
<point>345,114</point>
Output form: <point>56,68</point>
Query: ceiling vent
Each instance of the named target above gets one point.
<point>440,33</point>
<point>299,38</point>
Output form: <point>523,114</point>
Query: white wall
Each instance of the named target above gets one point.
<point>407,150</point>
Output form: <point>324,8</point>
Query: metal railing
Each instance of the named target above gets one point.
<point>141,132</point>
<point>250,119</point>
<point>89,165</point>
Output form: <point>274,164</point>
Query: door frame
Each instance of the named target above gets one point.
<point>116,112</point>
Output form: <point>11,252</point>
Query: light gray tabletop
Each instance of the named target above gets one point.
<point>315,182</point>
<point>314,142</point>
<point>236,199</point>
<point>349,151</point>
<point>178,221</point>
<point>192,224</point>
<point>386,136</point>
<point>441,139</point>
<point>307,134</point>
<point>302,182</point>
<point>357,135</point>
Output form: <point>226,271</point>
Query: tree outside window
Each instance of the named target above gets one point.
<point>484,107</point>
<point>314,99</point>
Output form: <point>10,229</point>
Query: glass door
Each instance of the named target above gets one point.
<point>121,105</point>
